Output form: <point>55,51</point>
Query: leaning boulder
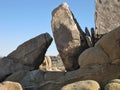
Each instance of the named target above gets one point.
<point>32,52</point>
<point>68,36</point>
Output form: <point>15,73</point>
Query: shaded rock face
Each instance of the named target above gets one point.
<point>37,80</point>
<point>107,15</point>
<point>101,69</point>
<point>67,36</point>
<point>8,67</point>
<point>93,56</point>
<point>32,52</point>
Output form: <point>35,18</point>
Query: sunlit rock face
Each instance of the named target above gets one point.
<point>107,15</point>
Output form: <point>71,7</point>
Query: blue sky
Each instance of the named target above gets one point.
<point>21,20</point>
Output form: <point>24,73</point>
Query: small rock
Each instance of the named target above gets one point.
<point>82,85</point>
<point>113,85</point>
<point>93,56</point>
<point>8,85</point>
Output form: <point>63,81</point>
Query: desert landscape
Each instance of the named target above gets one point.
<point>87,59</point>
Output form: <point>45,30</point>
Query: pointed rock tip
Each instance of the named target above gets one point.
<point>64,4</point>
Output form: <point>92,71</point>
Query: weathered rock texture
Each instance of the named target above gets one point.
<point>32,52</point>
<point>107,16</point>
<point>7,85</point>
<point>39,80</point>
<point>8,67</point>
<point>115,81</point>
<point>27,56</point>
<point>110,44</point>
<point>93,56</point>
<point>57,64</point>
<point>68,36</point>
<point>106,50</point>
<point>100,63</point>
<point>113,85</point>
<point>92,68</point>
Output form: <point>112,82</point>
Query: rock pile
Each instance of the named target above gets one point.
<point>92,62</point>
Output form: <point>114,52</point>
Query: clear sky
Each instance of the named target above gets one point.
<point>21,20</point>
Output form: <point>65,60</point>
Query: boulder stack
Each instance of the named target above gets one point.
<point>98,57</point>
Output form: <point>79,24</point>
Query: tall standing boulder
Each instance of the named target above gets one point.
<point>32,52</point>
<point>107,16</point>
<point>67,36</point>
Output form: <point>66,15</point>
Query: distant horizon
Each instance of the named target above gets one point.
<point>25,19</point>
